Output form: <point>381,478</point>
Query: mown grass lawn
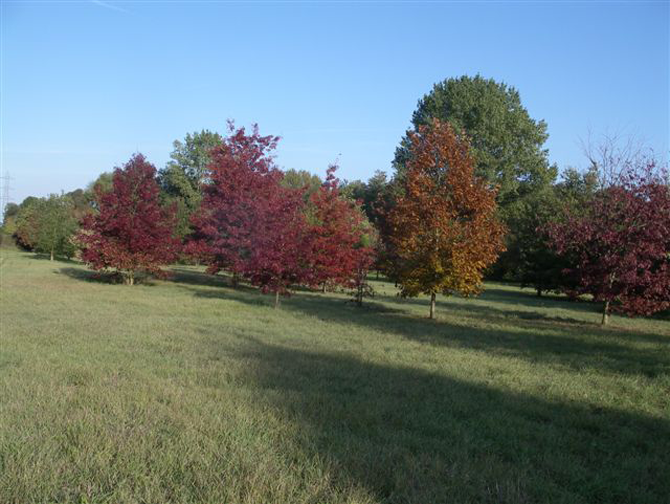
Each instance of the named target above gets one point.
<point>191,391</point>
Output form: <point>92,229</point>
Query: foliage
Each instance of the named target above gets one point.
<point>530,259</point>
<point>444,228</point>
<point>27,223</point>
<point>249,224</point>
<point>507,144</point>
<point>341,249</point>
<point>184,175</point>
<point>131,233</point>
<point>56,226</point>
<point>619,242</point>
<point>9,215</point>
<point>368,193</point>
<point>10,210</point>
<point>103,183</point>
<point>301,180</point>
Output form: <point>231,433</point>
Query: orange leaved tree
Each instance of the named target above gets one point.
<point>443,229</point>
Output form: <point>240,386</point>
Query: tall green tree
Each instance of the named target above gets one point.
<point>507,144</point>
<point>184,175</point>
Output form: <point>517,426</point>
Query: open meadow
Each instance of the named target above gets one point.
<point>187,390</point>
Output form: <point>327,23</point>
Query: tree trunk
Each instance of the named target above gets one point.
<point>323,288</point>
<point>539,292</point>
<point>52,255</point>
<point>276,299</point>
<point>606,313</point>
<point>432,306</point>
<point>130,278</point>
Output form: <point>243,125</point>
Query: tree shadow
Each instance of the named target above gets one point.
<point>103,277</point>
<point>512,297</point>
<point>407,435</point>
<point>37,256</point>
<point>88,275</point>
<point>571,345</point>
<point>517,317</point>
<point>189,277</point>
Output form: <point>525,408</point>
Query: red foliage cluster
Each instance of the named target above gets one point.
<point>620,244</point>
<point>131,233</point>
<point>340,245</point>
<point>252,226</point>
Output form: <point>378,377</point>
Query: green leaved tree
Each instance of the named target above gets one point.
<point>56,226</point>
<point>184,175</point>
<point>507,144</point>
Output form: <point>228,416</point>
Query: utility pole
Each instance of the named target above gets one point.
<point>5,181</point>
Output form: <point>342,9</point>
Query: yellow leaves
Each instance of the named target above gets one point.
<point>445,232</point>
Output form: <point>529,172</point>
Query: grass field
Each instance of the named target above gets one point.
<point>190,391</point>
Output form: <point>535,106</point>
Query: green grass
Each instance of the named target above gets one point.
<point>190,391</point>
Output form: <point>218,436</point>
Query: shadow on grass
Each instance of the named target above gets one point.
<point>409,436</point>
<point>103,277</point>
<point>514,297</point>
<point>88,275</point>
<point>37,256</point>
<point>189,277</point>
<point>571,345</point>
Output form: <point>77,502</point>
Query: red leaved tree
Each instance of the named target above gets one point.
<point>131,233</point>
<point>279,254</point>
<point>619,242</point>
<point>443,229</point>
<point>341,247</point>
<point>248,223</point>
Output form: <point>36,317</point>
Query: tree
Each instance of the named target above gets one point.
<point>507,144</point>
<point>27,223</point>
<point>131,233</point>
<point>531,259</point>
<point>56,226</point>
<point>279,248</point>
<point>619,241</point>
<point>339,254</point>
<point>248,223</point>
<point>368,193</point>
<point>444,227</point>
<point>185,174</point>
<point>9,218</point>
<point>301,179</point>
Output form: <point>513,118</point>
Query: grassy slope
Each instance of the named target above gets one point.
<point>189,391</point>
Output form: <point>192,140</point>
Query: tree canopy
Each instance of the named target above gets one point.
<point>507,144</point>
<point>131,232</point>
<point>444,228</point>
<point>618,242</point>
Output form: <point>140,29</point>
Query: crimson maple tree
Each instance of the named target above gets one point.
<point>443,228</point>
<point>248,223</point>
<point>619,243</point>
<point>131,232</point>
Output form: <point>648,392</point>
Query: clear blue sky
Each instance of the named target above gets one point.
<point>86,84</point>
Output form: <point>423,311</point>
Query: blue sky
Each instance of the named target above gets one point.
<point>86,84</point>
